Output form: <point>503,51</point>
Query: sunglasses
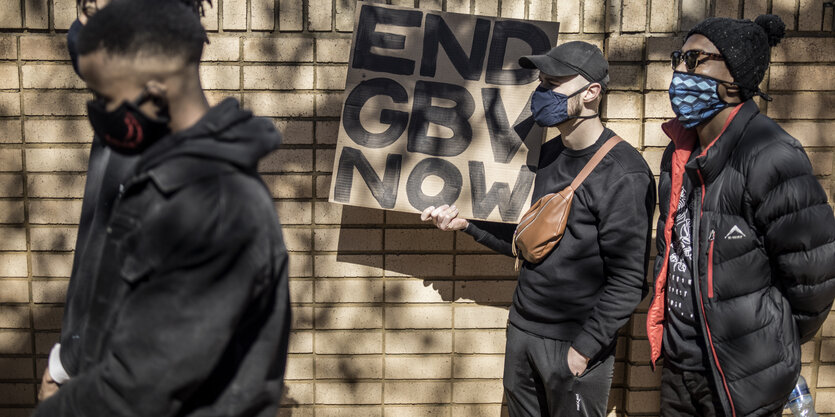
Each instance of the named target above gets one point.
<point>691,58</point>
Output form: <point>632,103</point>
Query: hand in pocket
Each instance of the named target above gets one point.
<point>577,363</point>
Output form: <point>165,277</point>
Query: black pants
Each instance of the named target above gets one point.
<point>538,382</point>
<point>686,393</point>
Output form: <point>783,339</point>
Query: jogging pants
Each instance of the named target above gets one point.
<point>538,382</point>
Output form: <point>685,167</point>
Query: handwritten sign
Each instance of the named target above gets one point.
<point>437,111</point>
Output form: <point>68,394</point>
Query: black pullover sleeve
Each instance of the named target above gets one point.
<point>496,236</point>
<point>625,232</point>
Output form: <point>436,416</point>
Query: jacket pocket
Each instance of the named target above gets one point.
<point>134,270</point>
<point>121,226</point>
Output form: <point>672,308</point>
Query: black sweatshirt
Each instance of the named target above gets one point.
<point>589,285</point>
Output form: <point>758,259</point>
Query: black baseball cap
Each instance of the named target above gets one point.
<point>576,57</point>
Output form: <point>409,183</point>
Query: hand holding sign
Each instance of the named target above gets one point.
<point>429,129</point>
<point>444,217</point>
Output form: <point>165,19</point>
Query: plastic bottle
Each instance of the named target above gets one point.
<point>800,400</point>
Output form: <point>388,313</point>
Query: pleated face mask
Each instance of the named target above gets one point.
<point>695,98</point>
<point>550,108</point>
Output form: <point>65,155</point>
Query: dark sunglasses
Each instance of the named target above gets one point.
<point>691,58</point>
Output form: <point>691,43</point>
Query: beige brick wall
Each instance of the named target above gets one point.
<point>391,318</point>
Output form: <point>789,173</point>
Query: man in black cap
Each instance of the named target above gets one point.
<point>746,237</point>
<point>568,308</point>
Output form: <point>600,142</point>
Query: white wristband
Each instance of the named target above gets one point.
<point>56,369</point>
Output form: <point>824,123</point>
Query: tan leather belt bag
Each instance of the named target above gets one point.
<point>543,225</point>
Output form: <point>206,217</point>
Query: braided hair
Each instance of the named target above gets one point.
<point>199,6</point>
<point>164,28</point>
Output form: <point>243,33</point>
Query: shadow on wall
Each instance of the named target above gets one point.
<point>16,337</point>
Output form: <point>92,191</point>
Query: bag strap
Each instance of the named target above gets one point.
<point>592,164</point>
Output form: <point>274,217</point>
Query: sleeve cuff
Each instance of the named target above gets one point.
<point>56,369</point>
<point>586,345</point>
<point>473,230</point>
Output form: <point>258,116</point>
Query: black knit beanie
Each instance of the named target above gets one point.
<point>746,46</point>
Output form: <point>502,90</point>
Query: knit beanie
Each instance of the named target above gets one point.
<point>745,45</point>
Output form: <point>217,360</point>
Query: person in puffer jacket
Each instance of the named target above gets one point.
<point>746,237</point>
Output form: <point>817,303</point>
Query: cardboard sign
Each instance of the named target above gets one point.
<point>437,111</point>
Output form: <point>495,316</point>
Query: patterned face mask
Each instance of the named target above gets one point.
<point>695,98</point>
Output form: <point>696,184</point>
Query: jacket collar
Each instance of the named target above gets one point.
<point>181,171</point>
<point>712,160</point>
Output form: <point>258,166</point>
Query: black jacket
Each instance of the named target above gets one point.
<point>586,289</point>
<point>189,313</point>
<point>106,171</point>
<point>764,245</point>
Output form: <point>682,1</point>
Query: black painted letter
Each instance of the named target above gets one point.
<point>455,118</point>
<point>397,120</point>
<point>504,139</point>
<point>437,32</point>
<point>370,17</point>
<point>438,167</point>
<point>504,30</point>
<point>510,202</point>
<point>385,191</point>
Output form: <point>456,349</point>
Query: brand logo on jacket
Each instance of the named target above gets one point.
<point>735,233</point>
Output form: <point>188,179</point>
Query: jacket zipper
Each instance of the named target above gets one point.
<point>695,233</point>
<point>518,232</point>
<point>538,212</point>
<point>710,265</point>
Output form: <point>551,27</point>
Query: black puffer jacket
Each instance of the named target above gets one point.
<point>765,246</point>
<point>189,312</point>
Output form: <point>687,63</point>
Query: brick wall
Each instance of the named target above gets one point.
<point>391,318</point>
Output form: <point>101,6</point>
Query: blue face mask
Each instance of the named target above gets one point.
<point>550,108</point>
<point>695,98</point>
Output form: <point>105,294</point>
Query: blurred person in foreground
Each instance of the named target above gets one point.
<point>188,308</point>
<point>106,172</point>
<point>746,236</point>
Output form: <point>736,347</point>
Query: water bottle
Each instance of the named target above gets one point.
<point>800,401</point>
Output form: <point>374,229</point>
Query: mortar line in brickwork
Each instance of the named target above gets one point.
<point>26,225</point>
<point>619,22</point>
<point>313,222</point>
<point>306,28</point>
<point>219,5</point>
<point>50,12</point>
<point>23,14</point>
<point>333,15</point>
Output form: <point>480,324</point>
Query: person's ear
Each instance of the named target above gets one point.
<point>729,93</point>
<point>158,93</point>
<point>592,92</point>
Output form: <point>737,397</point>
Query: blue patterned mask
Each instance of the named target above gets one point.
<point>695,98</point>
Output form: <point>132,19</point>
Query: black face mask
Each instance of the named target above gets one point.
<point>127,130</point>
